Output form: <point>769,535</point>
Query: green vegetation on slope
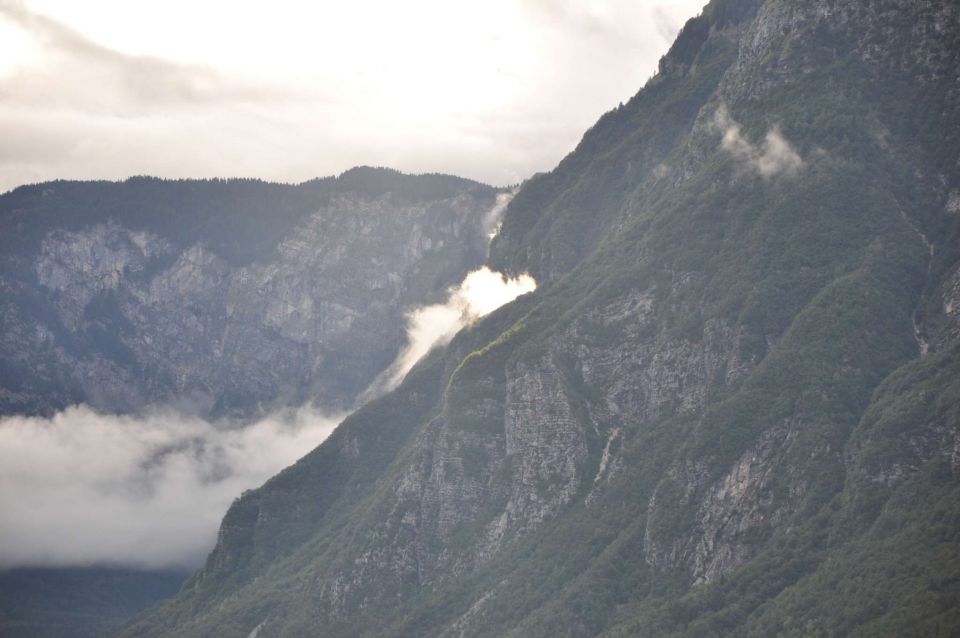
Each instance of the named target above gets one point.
<point>725,425</point>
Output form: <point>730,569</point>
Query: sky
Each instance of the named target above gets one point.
<point>289,90</point>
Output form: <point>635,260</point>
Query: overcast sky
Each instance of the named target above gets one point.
<point>288,90</point>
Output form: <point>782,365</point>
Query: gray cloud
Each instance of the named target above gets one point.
<point>82,487</point>
<point>775,155</point>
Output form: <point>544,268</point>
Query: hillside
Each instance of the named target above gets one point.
<point>731,406</point>
<point>223,297</point>
<point>220,299</point>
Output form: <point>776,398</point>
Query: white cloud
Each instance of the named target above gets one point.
<point>481,292</point>
<point>774,156</point>
<point>83,487</point>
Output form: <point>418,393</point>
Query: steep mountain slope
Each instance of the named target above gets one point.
<point>731,406</point>
<point>222,297</point>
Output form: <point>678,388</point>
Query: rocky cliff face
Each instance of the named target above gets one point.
<point>730,398</point>
<point>124,316</point>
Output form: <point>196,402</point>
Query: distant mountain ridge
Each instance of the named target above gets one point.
<point>730,408</point>
<point>222,297</point>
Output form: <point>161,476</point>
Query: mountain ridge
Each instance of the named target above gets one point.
<point>730,406</point>
<point>671,436</point>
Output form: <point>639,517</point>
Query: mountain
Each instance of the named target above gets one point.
<point>222,297</point>
<point>218,299</point>
<point>730,408</point>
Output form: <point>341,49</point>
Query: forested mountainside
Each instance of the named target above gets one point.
<point>222,297</point>
<point>731,406</point>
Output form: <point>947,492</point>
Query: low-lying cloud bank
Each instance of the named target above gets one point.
<point>83,488</point>
<point>775,155</point>
<point>481,292</point>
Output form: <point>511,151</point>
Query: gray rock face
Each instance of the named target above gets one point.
<point>950,305</point>
<point>766,59</point>
<point>128,318</point>
<point>742,502</point>
<point>547,444</point>
<point>518,450</point>
<point>529,465</point>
